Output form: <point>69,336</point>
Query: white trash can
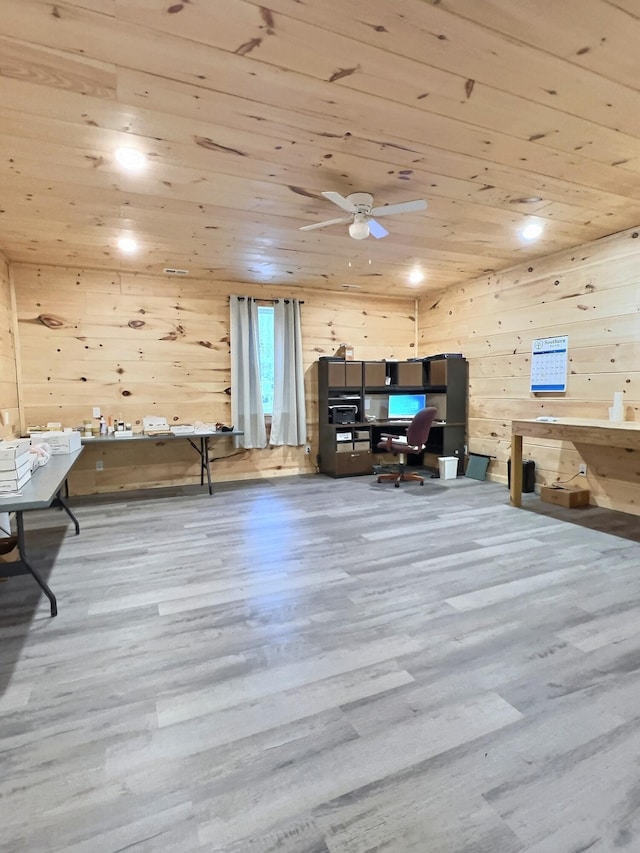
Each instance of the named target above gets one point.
<point>448,466</point>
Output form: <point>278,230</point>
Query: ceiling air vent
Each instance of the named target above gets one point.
<point>171,271</point>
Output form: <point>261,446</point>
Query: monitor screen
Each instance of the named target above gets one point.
<point>405,405</point>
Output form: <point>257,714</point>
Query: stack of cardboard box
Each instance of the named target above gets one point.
<point>15,464</point>
<point>564,497</point>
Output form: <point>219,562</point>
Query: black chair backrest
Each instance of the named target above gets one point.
<point>419,427</point>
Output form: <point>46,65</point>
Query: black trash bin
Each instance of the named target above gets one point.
<point>528,475</point>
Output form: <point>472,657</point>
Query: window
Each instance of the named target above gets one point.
<point>265,353</point>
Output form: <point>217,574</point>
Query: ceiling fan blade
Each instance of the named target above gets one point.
<point>340,200</point>
<point>376,229</point>
<point>324,224</point>
<point>403,207</point>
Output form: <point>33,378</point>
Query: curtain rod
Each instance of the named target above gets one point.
<point>262,299</point>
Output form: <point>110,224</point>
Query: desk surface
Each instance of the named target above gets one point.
<point>581,431</point>
<point>624,434</point>
<point>43,486</point>
<point>139,436</point>
<point>405,423</point>
<point>584,422</point>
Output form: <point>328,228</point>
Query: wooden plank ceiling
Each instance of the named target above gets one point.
<point>497,112</point>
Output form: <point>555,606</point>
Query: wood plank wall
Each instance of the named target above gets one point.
<point>142,345</point>
<point>8,380</point>
<point>591,294</point>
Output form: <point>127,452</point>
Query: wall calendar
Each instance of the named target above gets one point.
<point>549,364</point>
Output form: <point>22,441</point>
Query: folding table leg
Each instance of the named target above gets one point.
<point>23,559</point>
<point>205,460</point>
<point>60,501</point>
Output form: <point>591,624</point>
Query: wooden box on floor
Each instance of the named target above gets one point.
<point>565,497</point>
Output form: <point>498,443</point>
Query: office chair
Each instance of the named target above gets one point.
<point>413,442</point>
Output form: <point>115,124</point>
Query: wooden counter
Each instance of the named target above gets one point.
<point>576,430</point>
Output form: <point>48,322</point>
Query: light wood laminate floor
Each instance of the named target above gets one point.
<point>322,666</point>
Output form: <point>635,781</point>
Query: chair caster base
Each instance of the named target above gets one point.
<point>403,477</point>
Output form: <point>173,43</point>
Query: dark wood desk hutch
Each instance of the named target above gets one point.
<point>353,409</point>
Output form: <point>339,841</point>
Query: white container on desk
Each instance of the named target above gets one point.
<point>12,481</point>
<point>12,450</point>
<point>60,443</point>
<point>10,466</point>
<point>616,412</point>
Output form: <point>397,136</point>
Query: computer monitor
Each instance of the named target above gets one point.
<point>405,405</point>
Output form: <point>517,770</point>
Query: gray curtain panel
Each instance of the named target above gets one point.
<point>289,420</point>
<point>246,396</point>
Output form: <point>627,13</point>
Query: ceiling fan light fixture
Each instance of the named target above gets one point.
<point>359,228</point>
<point>360,206</point>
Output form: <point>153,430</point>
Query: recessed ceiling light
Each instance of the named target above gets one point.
<point>128,245</point>
<point>531,231</point>
<point>532,199</point>
<point>131,158</point>
<point>416,276</point>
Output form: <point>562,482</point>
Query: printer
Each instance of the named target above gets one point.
<point>343,414</point>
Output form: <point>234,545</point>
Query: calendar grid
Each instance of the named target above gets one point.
<point>549,363</point>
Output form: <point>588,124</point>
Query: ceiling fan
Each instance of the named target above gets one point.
<point>361,210</point>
